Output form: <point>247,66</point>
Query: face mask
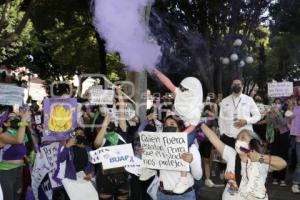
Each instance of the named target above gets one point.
<point>14,124</point>
<point>170,129</point>
<point>236,89</point>
<point>241,147</point>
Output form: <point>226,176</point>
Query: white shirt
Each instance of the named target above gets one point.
<point>254,175</point>
<point>241,107</point>
<point>171,178</point>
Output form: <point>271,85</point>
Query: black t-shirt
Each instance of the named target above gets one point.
<point>80,158</point>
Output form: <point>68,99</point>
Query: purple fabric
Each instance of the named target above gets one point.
<point>67,155</point>
<point>295,127</point>
<point>3,117</point>
<point>15,152</point>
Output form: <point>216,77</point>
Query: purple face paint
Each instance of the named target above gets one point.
<point>122,25</point>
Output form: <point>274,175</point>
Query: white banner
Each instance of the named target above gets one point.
<point>101,97</point>
<point>11,94</point>
<point>112,156</point>
<point>80,189</point>
<point>39,171</point>
<point>163,150</point>
<point>49,153</point>
<point>280,89</point>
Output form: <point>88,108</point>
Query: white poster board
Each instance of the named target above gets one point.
<point>11,94</point>
<point>99,96</point>
<point>80,189</point>
<point>112,156</point>
<point>49,153</point>
<point>164,150</point>
<point>280,89</point>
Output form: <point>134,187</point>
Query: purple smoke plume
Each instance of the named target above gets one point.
<point>121,23</point>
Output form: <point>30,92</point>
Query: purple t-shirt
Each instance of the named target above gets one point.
<point>295,126</point>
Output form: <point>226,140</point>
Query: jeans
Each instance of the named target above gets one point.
<point>11,182</point>
<point>296,177</point>
<point>187,196</point>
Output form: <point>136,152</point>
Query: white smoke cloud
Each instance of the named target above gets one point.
<point>121,23</point>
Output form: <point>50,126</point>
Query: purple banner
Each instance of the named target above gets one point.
<point>60,118</point>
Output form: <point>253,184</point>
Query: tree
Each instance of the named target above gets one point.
<point>195,34</point>
<point>16,31</point>
<point>284,57</point>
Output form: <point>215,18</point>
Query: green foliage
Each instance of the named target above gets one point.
<point>14,53</point>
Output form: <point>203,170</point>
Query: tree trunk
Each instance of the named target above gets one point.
<point>102,54</point>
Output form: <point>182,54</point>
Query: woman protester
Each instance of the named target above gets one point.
<point>170,179</point>
<point>75,154</point>
<point>13,152</point>
<point>247,165</point>
<point>112,183</point>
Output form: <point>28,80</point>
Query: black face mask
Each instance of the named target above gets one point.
<point>170,129</point>
<point>111,127</point>
<point>236,89</point>
<point>80,139</point>
<point>14,124</point>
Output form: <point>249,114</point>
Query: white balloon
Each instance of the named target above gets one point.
<point>249,60</point>
<point>225,61</point>
<point>234,57</point>
<point>237,42</point>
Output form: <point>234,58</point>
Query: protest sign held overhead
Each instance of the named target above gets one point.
<point>99,96</point>
<point>164,150</point>
<point>60,118</point>
<point>280,89</point>
<point>11,94</point>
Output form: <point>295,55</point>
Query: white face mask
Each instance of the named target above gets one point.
<point>241,144</point>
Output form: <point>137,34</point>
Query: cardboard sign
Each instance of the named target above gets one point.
<point>112,156</point>
<point>60,118</point>
<point>134,166</point>
<point>80,189</point>
<point>99,96</point>
<point>49,153</point>
<point>163,150</point>
<point>281,89</point>
<point>11,94</point>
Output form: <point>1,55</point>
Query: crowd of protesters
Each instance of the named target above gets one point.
<point>255,138</point>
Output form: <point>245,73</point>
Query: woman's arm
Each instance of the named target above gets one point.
<point>19,139</point>
<point>165,80</point>
<point>196,166</point>
<point>213,138</point>
<point>122,120</point>
<point>99,138</point>
<point>276,163</point>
